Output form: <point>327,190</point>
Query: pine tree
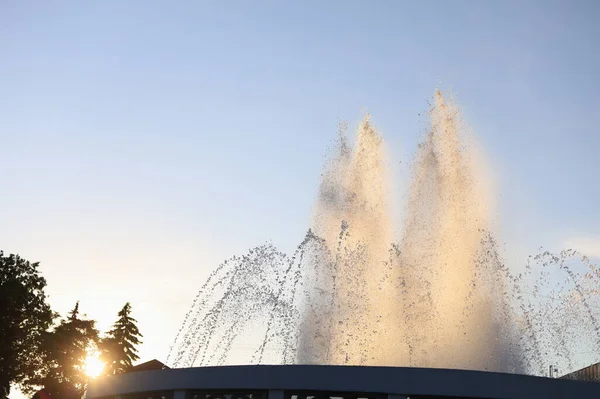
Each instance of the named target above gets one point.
<point>119,346</point>
<point>66,352</point>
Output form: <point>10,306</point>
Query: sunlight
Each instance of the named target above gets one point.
<point>93,366</point>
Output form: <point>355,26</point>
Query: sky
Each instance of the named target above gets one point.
<point>145,142</point>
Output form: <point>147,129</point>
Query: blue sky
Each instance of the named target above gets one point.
<point>144,142</point>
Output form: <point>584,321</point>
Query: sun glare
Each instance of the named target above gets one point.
<point>93,366</point>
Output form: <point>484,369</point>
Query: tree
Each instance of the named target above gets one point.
<point>119,346</point>
<point>66,350</point>
<point>24,318</point>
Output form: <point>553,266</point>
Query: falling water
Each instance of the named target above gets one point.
<point>458,315</point>
<point>440,297</point>
<point>352,217</point>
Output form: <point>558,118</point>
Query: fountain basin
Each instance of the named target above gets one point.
<point>324,382</point>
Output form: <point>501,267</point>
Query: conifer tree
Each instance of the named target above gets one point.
<point>67,349</point>
<point>119,345</point>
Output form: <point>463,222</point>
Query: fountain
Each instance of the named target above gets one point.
<point>439,297</point>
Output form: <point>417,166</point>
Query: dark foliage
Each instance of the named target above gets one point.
<point>24,318</point>
<point>119,346</point>
<point>66,349</point>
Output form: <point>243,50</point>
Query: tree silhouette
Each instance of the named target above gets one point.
<point>119,346</point>
<point>24,317</point>
<point>66,350</point>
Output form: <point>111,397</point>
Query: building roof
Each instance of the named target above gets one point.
<point>333,381</point>
<point>589,373</point>
<point>151,365</point>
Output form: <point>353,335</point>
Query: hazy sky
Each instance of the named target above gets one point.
<point>144,142</point>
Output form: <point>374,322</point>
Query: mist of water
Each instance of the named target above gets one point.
<point>439,297</point>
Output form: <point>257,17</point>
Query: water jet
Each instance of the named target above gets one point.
<point>435,293</point>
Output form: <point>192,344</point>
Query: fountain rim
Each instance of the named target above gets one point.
<point>391,381</point>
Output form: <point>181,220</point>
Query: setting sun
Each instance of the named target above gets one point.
<point>93,366</point>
